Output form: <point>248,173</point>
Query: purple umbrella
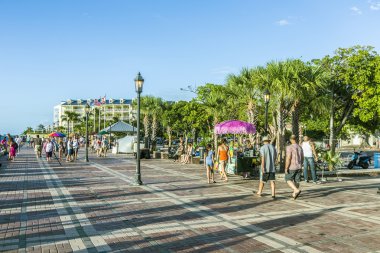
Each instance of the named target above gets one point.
<point>234,127</point>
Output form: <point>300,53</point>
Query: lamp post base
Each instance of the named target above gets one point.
<point>137,180</point>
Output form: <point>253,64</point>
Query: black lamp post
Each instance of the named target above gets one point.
<point>266,100</point>
<point>87,111</point>
<point>139,81</point>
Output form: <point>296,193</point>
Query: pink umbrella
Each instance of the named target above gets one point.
<point>234,127</point>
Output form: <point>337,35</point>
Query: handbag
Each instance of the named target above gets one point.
<point>216,166</point>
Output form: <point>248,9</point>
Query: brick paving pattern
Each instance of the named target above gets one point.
<point>80,207</point>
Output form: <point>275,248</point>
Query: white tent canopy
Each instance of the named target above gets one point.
<point>120,127</point>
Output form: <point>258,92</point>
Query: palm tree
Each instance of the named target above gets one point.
<point>292,82</point>
<point>70,117</point>
<point>304,88</point>
<point>214,98</point>
<point>277,77</point>
<point>166,121</point>
<point>156,108</point>
<point>28,130</point>
<point>245,90</point>
<point>147,105</point>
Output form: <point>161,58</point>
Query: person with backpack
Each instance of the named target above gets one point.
<point>293,166</point>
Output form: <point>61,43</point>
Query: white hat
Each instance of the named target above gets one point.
<point>266,138</point>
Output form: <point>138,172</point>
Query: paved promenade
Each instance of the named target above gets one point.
<point>93,207</point>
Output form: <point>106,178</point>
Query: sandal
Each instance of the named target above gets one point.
<point>296,196</point>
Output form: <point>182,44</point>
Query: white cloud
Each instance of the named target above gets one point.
<point>375,6</point>
<point>223,70</point>
<point>283,22</point>
<point>356,10</point>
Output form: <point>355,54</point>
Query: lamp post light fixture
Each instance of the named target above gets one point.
<point>139,82</point>
<point>87,110</point>
<point>266,100</point>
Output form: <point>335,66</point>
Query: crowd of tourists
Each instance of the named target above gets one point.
<point>67,148</point>
<point>60,148</point>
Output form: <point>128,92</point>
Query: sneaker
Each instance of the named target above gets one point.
<point>317,182</point>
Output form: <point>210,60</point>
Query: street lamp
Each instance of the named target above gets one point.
<point>87,110</point>
<point>266,100</point>
<point>139,81</point>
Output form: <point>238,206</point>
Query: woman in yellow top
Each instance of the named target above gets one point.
<point>223,158</point>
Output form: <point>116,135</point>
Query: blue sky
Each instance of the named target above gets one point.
<point>55,50</point>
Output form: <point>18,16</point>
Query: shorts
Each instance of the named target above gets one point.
<point>223,162</point>
<point>70,152</point>
<point>264,177</point>
<point>293,175</point>
<point>37,148</point>
<point>49,154</point>
<point>210,163</point>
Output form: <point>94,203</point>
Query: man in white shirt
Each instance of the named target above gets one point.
<point>309,153</point>
<point>18,140</point>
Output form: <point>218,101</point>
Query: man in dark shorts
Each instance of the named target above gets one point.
<point>293,166</point>
<point>268,171</point>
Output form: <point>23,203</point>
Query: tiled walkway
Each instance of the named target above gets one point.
<point>94,208</point>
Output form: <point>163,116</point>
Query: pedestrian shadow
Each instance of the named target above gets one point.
<point>220,238</point>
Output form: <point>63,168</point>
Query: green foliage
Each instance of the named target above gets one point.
<point>332,159</point>
<point>343,88</point>
<point>28,130</point>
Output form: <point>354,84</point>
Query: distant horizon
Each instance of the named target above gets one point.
<point>52,51</point>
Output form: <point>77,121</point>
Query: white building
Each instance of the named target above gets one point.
<point>121,108</point>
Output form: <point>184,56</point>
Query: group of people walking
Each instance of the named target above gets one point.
<point>65,148</point>
<point>298,159</point>
<point>100,146</point>
<point>11,145</point>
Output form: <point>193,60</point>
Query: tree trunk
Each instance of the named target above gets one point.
<point>332,129</point>
<point>252,115</point>
<point>295,120</point>
<point>146,131</point>
<point>169,133</point>
<point>215,137</point>
<point>281,136</point>
<point>154,132</point>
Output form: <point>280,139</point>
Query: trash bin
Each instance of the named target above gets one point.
<point>376,160</point>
